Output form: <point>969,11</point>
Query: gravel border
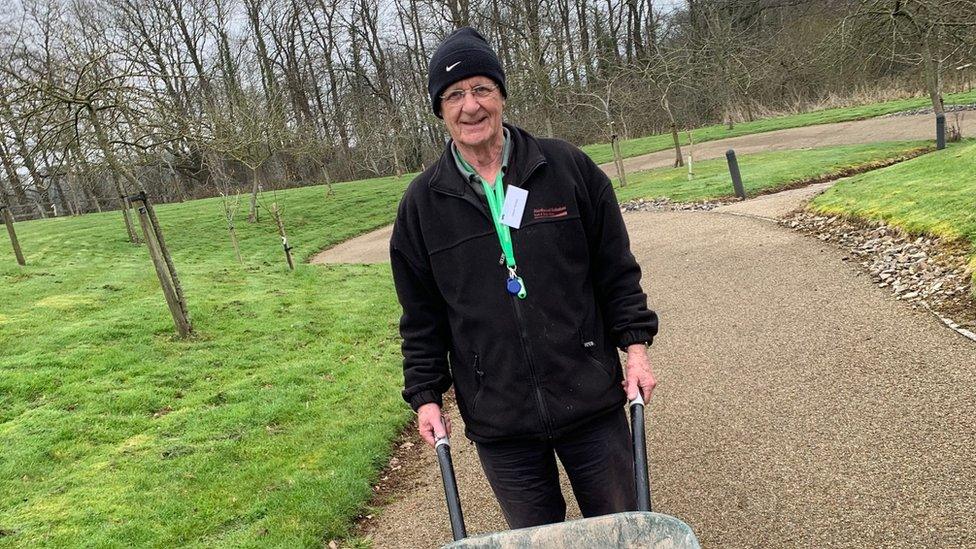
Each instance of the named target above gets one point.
<point>930,110</point>
<point>926,272</point>
<point>666,205</point>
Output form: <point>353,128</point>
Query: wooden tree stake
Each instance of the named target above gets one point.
<point>276,213</point>
<point>8,220</point>
<point>126,207</point>
<point>167,258</point>
<point>618,159</point>
<point>165,271</point>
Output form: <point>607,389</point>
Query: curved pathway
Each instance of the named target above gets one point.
<point>374,247</point>
<point>799,404</point>
<point>871,130</point>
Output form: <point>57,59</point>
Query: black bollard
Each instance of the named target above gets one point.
<point>940,138</point>
<point>736,176</point>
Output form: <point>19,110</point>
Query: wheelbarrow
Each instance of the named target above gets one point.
<point>641,528</point>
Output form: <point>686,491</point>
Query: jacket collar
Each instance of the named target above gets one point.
<point>526,157</point>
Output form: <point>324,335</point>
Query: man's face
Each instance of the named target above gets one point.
<point>474,122</point>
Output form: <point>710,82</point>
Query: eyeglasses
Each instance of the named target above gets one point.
<point>455,97</point>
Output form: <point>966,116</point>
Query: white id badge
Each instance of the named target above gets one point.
<point>515,199</point>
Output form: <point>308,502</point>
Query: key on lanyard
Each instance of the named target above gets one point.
<point>515,285</point>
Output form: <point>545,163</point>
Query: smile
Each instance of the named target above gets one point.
<point>475,123</point>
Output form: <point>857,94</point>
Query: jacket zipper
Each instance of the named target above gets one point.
<point>524,339</point>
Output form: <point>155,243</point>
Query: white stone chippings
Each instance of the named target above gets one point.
<point>929,110</point>
<point>666,205</point>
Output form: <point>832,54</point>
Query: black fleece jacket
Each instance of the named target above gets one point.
<point>531,368</point>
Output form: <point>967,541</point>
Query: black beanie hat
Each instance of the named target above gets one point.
<point>463,54</point>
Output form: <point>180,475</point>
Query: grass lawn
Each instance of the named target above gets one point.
<point>760,172</point>
<point>601,153</point>
<point>267,426</point>
<point>934,194</point>
<point>264,429</point>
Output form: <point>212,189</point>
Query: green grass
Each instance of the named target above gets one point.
<point>934,194</point>
<point>760,172</point>
<point>601,153</point>
<point>264,429</point>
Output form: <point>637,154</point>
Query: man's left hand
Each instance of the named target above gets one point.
<point>638,375</point>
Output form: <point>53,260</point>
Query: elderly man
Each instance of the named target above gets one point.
<point>513,267</point>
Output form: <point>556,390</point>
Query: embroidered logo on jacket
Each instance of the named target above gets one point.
<point>543,213</point>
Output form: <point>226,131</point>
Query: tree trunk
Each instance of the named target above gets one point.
<point>678,159</point>
<point>14,178</point>
<point>276,214</point>
<point>233,241</point>
<point>75,193</point>
<point>62,196</point>
<point>126,206</point>
<point>117,168</point>
<point>229,213</point>
<point>252,217</point>
<point>933,78</point>
<point>618,159</point>
<point>8,220</point>
<point>92,198</point>
<point>23,150</point>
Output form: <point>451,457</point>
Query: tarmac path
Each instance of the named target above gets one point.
<point>799,405</point>
<point>374,247</point>
<point>871,130</point>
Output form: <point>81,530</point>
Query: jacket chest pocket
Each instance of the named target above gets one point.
<point>462,268</point>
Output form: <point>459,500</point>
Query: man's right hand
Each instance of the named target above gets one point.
<point>431,424</point>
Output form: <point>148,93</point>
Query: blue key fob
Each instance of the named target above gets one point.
<point>514,286</point>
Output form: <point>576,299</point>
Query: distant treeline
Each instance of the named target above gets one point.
<point>191,98</point>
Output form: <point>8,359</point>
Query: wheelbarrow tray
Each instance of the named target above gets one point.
<point>623,530</point>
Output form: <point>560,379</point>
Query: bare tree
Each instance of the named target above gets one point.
<point>925,33</point>
<point>99,99</point>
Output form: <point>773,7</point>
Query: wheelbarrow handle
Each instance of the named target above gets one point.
<point>443,448</point>
<point>641,480</point>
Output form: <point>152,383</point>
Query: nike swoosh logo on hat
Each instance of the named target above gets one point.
<point>449,67</point>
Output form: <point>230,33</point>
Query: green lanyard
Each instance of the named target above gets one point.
<point>496,198</point>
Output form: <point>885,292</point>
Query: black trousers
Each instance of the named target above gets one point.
<point>598,459</point>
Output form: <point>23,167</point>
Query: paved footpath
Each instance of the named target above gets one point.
<point>799,404</point>
<point>374,247</point>
<point>871,130</point>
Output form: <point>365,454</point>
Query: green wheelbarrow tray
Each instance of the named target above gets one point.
<point>625,530</point>
<point>640,528</point>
